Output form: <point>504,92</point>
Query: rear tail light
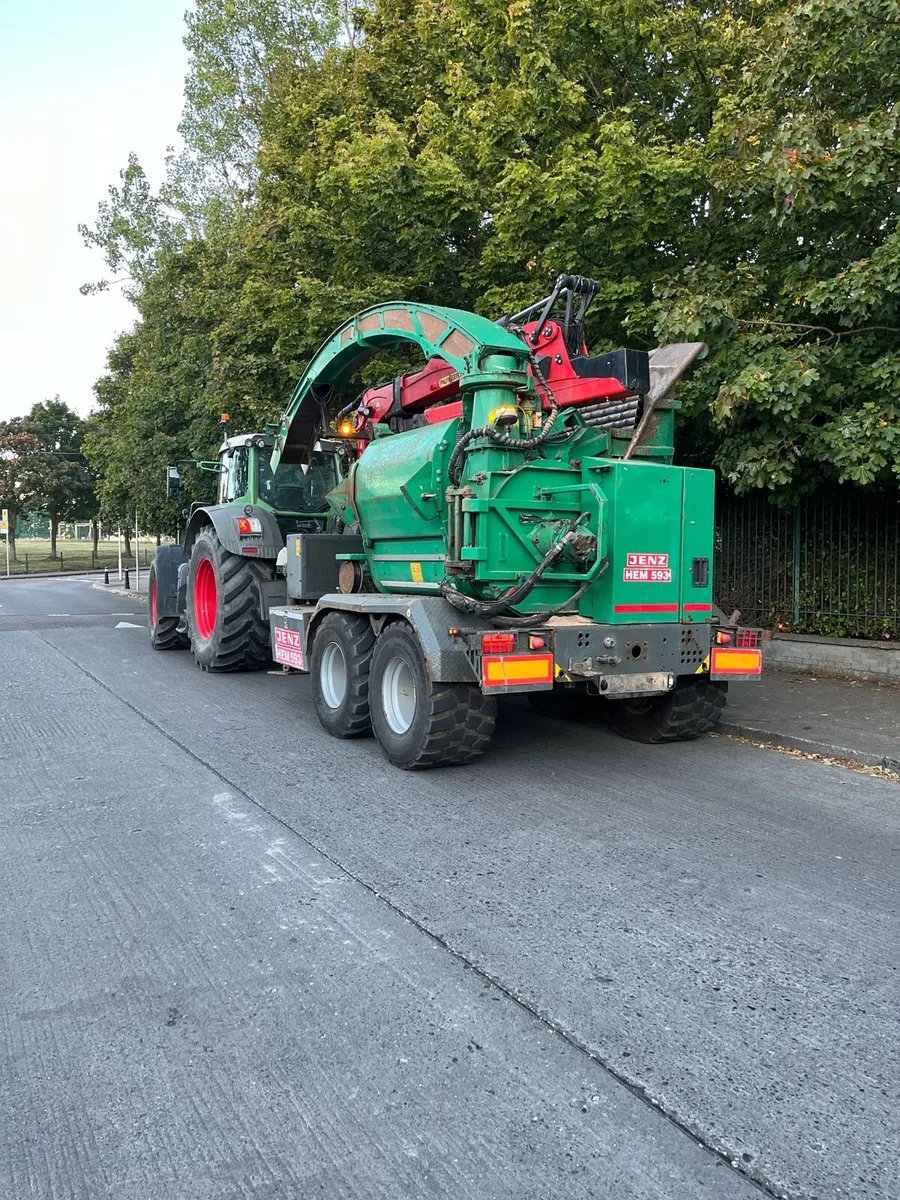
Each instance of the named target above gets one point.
<point>248,525</point>
<point>498,643</point>
<point>748,639</point>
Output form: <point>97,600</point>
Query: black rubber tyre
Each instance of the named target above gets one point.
<point>339,670</point>
<point>164,632</point>
<point>692,709</point>
<point>448,723</point>
<point>227,631</point>
<point>568,704</point>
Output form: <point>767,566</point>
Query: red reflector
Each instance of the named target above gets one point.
<point>723,638</point>
<point>498,643</point>
<point>536,643</point>
<point>748,638</point>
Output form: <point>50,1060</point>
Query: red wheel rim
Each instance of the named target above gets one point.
<point>153,601</point>
<point>205,599</point>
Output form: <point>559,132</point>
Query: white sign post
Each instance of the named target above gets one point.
<point>4,528</point>
<point>119,543</point>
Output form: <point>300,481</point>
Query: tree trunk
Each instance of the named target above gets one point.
<point>54,530</point>
<point>127,536</point>
<point>11,536</point>
<point>95,534</point>
<point>159,539</point>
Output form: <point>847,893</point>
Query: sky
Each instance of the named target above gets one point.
<point>82,83</point>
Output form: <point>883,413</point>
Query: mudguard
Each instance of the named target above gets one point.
<point>166,562</point>
<point>223,518</point>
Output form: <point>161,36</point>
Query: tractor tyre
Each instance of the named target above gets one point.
<point>693,708</point>
<point>567,704</point>
<point>224,613</point>
<point>339,668</point>
<point>164,631</point>
<point>419,723</point>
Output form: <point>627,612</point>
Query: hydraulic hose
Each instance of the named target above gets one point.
<point>454,467</point>
<point>490,608</point>
<point>542,618</point>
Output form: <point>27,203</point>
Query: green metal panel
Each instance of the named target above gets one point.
<point>697,543</point>
<point>650,519</point>
<point>399,495</point>
<point>644,543</point>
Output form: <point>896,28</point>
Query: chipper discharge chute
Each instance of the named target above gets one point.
<point>508,520</point>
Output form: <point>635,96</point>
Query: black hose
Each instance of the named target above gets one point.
<point>506,440</point>
<point>542,618</point>
<point>490,608</point>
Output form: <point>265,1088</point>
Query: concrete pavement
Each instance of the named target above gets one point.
<point>707,930</point>
<point>836,718</point>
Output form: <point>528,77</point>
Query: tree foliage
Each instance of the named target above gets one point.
<point>728,171</point>
<point>42,467</point>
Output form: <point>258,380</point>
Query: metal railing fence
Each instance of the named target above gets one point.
<point>831,565</point>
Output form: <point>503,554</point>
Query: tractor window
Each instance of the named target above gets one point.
<point>293,489</point>
<point>234,481</point>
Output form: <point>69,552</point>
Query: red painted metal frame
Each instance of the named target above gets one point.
<point>432,390</point>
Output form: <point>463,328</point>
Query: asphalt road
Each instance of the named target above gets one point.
<point>241,959</point>
<point>74,602</point>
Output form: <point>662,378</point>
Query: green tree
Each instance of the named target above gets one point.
<point>63,481</point>
<point>21,475</point>
<point>799,294</point>
<point>727,171</point>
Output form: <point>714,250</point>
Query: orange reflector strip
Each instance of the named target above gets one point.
<point>502,670</point>
<point>735,662</point>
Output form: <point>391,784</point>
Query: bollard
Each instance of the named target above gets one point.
<point>106,576</point>
<point>127,581</point>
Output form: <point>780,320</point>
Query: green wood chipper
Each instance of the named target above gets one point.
<point>507,519</point>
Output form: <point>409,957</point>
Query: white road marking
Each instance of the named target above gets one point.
<point>59,614</point>
<point>128,625</point>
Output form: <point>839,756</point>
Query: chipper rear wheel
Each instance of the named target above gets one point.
<point>339,669</point>
<point>419,723</point>
<point>226,626</point>
<point>164,633</point>
<point>693,708</point>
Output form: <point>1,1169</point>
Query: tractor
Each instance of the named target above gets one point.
<point>227,563</point>
<point>506,520</point>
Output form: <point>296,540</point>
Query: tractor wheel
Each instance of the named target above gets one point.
<point>226,627</point>
<point>693,708</point>
<point>339,666</point>
<point>419,723</point>
<point>164,632</point>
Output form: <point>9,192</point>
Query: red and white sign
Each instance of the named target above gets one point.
<point>646,575</point>
<point>647,568</point>
<point>647,560</point>
<point>289,648</point>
